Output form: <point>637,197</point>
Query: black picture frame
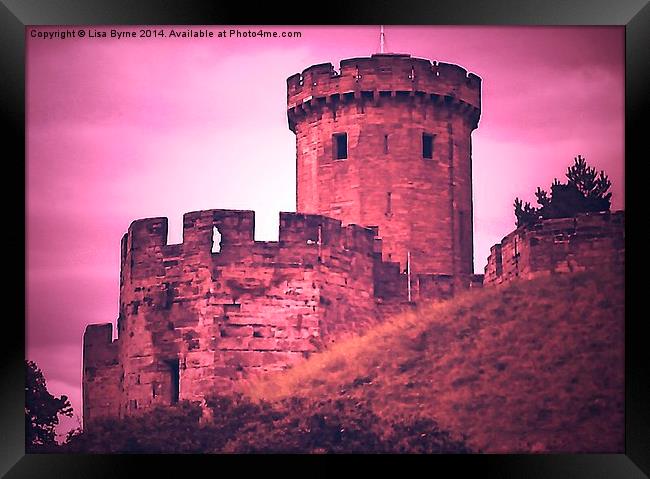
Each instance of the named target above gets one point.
<point>16,14</point>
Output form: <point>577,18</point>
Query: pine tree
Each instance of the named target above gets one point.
<point>584,192</point>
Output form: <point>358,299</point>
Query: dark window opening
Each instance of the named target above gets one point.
<point>499,262</point>
<point>427,146</point>
<point>389,205</point>
<point>340,146</point>
<point>169,296</point>
<point>385,144</point>
<point>174,377</point>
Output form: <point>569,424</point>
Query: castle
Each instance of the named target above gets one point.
<point>384,201</point>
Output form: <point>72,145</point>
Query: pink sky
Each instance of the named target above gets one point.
<point>133,128</point>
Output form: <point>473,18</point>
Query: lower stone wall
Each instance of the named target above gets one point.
<point>586,241</point>
<point>194,321</point>
<point>101,374</point>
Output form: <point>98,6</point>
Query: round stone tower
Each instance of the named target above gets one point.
<point>386,142</point>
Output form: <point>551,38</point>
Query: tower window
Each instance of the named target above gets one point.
<point>216,240</point>
<point>340,146</point>
<point>427,146</point>
<point>174,380</point>
<point>385,144</point>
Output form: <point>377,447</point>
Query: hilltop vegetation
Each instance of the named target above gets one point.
<point>532,366</point>
<point>535,366</point>
<point>295,425</point>
<point>585,191</point>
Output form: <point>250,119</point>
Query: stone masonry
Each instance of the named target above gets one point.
<point>193,321</point>
<point>385,105</point>
<point>384,201</point>
<point>585,242</point>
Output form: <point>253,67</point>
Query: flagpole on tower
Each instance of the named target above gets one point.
<point>381,39</point>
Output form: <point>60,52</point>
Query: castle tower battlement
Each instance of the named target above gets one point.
<point>386,143</point>
<point>145,249</point>
<point>381,76</point>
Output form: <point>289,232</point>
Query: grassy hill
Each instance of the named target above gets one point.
<point>534,366</point>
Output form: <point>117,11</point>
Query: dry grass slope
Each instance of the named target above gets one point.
<point>533,366</point>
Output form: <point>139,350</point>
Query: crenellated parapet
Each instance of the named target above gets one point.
<point>315,230</point>
<point>381,76</point>
<point>236,226</point>
<point>145,251</point>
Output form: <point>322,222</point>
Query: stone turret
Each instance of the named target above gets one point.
<point>386,142</point>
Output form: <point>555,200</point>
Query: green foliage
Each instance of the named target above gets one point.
<point>342,425</point>
<point>238,425</point>
<point>300,425</point>
<point>42,410</point>
<point>526,214</point>
<point>173,429</point>
<point>584,192</point>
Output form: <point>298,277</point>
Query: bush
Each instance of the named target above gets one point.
<point>295,425</point>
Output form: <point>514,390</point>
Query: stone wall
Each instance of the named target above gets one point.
<point>101,373</point>
<point>251,307</point>
<point>384,104</point>
<point>194,322</point>
<point>587,241</point>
